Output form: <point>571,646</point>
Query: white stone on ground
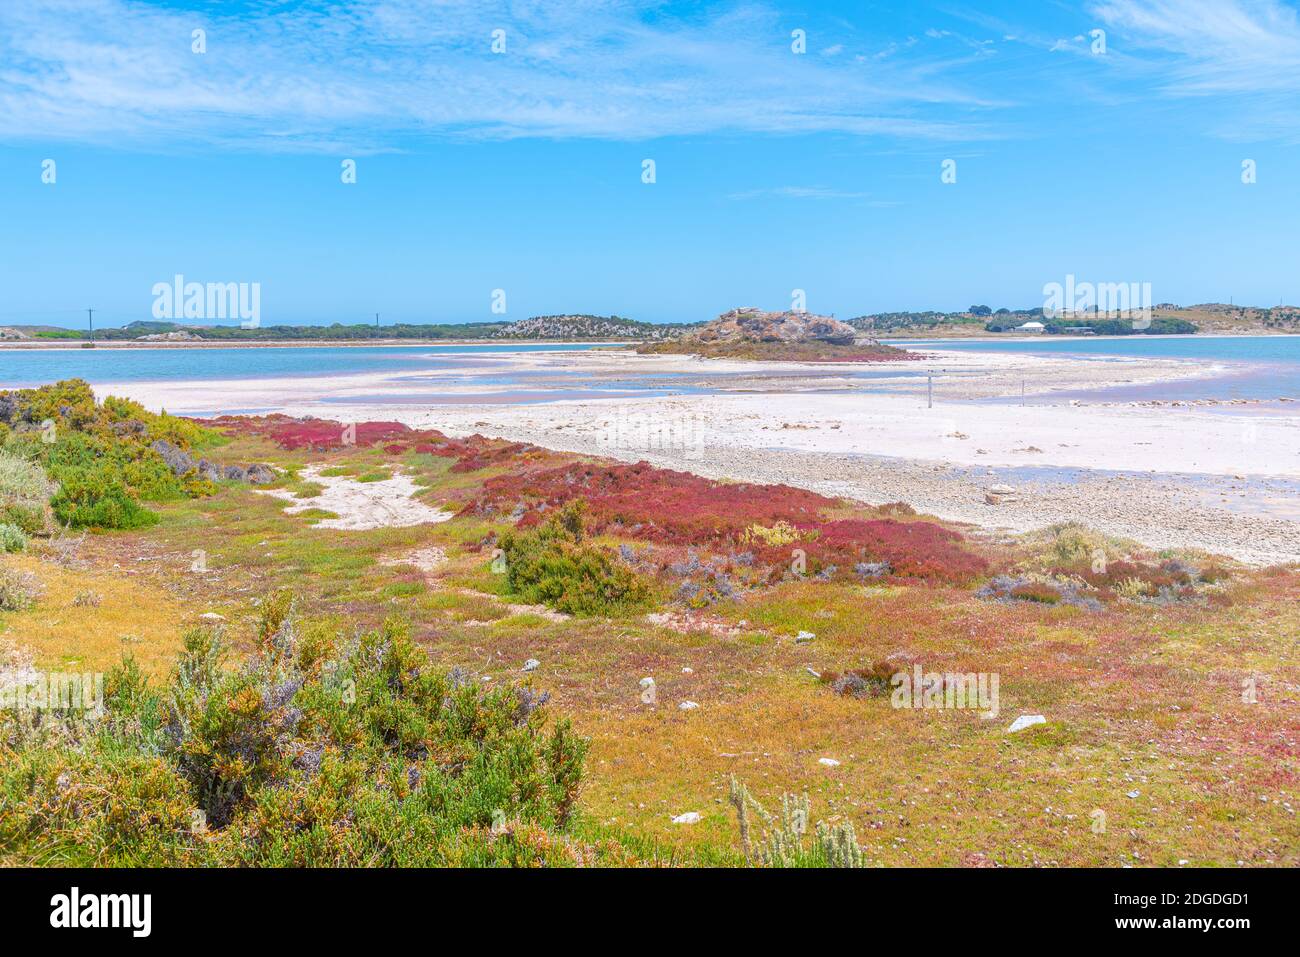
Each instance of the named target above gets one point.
<point>1026,721</point>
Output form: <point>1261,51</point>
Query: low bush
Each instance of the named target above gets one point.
<point>551,565</point>
<point>870,682</point>
<point>25,493</point>
<point>18,589</point>
<point>101,459</point>
<point>12,539</point>
<point>320,750</point>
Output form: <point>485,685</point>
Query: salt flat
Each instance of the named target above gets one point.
<point>1168,475</point>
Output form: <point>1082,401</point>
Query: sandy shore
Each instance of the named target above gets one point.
<point>1221,479</point>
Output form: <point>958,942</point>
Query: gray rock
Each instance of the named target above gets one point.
<point>177,460</point>
<point>260,474</point>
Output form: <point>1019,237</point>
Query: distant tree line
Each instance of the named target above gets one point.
<point>1099,326</point>
<point>358,331</point>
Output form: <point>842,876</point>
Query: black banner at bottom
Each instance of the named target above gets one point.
<point>154,906</point>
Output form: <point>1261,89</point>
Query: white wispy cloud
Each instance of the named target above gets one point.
<point>365,74</point>
<point>1218,46</point>
<point>1243,53</point>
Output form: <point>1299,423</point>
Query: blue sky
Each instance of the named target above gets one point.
<point>522,170</point>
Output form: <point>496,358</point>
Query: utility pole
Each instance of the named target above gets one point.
<point>376,320</point>
<point>90,313</point>
<point>929,392</point>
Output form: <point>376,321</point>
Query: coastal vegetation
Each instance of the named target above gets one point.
<point>1101,326</point>
<point>588,328</point>
<point>324,748</point>
<point>581,328</point>
<point>600,663</point>
<point>359,332</point>
<point>1167,319</point>
<point>99,462</point>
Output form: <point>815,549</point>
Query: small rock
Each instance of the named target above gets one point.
<point>1025,721</point>
<point>687,706</point>
<point>688,671</point>
<point>211,617</point>
<point>646,683</point>
<point>829,762</point>
<point>1133,794</point>
<point>532,664</point>
<point>259,474</point>
<point>804,637</point>
<point>1001,490</point>
<point>690,817</point>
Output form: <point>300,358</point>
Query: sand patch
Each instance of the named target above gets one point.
<point>685,624</point>
<point>426,559</point>
<point>550,614</point>
<point>390,503</point>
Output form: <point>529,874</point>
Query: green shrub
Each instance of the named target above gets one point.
<point>551,565</point>
<point>101,457</point>
<point>12,539</point>
<point>320,750</point>
<point>24,494</point>
<point>82,503</point>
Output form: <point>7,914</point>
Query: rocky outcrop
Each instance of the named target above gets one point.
<point>754,325</point>
<point>181,463</point>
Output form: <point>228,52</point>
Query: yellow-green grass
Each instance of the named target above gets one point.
<point>1139,698</point>
<point>121,612</point>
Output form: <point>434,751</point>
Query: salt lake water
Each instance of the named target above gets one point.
<point>1253,367</point>
<point>29,367</point>
<point>1256,367</point>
